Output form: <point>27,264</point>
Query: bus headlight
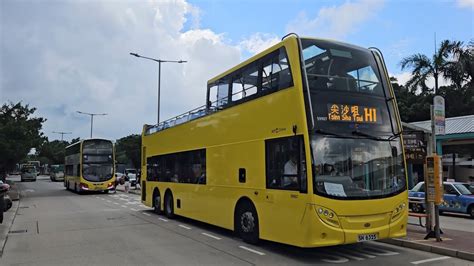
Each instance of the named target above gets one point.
<point>328,216</point>
<point>397,213</point>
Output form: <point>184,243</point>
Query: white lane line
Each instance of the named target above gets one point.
<point>97,197</point>
<point>109,201</point>
<point>164,220</point>
<point>123,206</point>
<point>147,214</point>
<point>252,250</point>
<point>135,210</point>
<point>211,236</point>
<point>430,260</point>
<point>184,226</point>
<point>102,198</point>
<point>116,203</point>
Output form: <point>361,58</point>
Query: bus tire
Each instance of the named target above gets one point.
<point>157,201</point>
<point>169,205</point>
<point>246,222</point>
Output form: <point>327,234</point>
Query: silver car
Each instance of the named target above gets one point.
<point>28,173</point>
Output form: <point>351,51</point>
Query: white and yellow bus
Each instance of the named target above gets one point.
<point>89,166</point>
<point>299,144</point>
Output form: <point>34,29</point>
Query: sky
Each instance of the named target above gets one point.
<point>67,56</point>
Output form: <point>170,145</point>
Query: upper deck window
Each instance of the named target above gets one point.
<point>265,75</point>
<point>337,67</point>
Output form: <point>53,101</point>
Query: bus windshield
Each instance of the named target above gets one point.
<point>97,172</point>
<point>355,168</point>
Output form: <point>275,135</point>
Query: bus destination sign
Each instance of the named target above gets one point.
<point>353,113</point>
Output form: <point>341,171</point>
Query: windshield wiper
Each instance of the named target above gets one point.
<point>363,134</point>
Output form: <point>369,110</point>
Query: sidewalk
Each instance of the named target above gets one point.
<point>455,243</point>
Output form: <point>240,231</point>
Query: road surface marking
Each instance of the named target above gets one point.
<point>102,198</point>
<point>109,201</point>
<point>430,260</point>
<point>123,206</point>
<point>344,254</point>
<point>147,214</point>
<point>211,236</point>
<point>252,250</point>
<point>135,210</point>
<point>184,226</point>
<point>116,203</point>
<point>164,220</point>
<point>97,197</point>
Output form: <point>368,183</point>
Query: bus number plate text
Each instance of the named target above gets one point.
<point>367,237</point>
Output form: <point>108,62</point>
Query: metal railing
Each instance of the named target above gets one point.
<point>196,113</point>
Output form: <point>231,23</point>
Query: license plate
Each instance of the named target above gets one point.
<point>367,237</point>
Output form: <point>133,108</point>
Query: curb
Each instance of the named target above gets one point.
<point>10,220</point>
<point>428,248</point>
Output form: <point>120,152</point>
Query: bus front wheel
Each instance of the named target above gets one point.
<point>169,205</point>
<point>246,223</point>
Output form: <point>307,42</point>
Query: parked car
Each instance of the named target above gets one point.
<point>57,172</point>
<point>457,198</point>
<point>132,176</point>
<point>28,172</point>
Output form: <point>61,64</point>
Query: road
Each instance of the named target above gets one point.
<point>58,227</point>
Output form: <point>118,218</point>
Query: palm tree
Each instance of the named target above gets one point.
<point>461,69</point>
<point>423,67</point>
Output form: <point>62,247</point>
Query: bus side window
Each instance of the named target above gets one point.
<point>285,167</point>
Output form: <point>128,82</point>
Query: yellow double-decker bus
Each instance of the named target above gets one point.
<point>89,166</point>
<point>299,144</point>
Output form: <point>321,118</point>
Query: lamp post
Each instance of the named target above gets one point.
<point>92,118</point>
<point>62,133</point>
<point>159,61</point>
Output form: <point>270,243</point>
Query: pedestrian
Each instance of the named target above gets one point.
<point>127,183</point>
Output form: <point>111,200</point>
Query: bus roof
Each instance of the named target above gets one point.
<point>82,140</point>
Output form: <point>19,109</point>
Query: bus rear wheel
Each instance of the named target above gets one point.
<point>169,205</point>
<point>246,223</point>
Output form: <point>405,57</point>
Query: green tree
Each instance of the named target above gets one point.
<point>461,69</point>
<point>52,152</point>
<point>19,133</point>
<point>423,67</point>
<point>128,149</point>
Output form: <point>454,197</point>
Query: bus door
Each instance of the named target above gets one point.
<point>286,183</point>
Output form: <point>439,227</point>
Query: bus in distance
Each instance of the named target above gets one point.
<point>89,166</point>
<point>299,144</point>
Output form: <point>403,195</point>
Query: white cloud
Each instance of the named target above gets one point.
<point>71,56</point>
<point>258,42</point>
<point>335,21</point>
<point>466,4</point>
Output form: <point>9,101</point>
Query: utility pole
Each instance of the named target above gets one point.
<point>62,134</point>
<point>159,61</point>
<point>92,118</point>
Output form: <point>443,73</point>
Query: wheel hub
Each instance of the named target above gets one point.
<point>247,222</point>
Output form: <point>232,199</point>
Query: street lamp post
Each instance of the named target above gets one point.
<point>62,134</point>
<point>92,118</point>
<point>159,61</point>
